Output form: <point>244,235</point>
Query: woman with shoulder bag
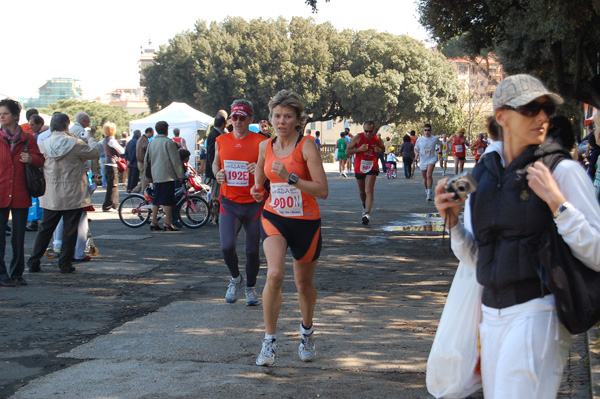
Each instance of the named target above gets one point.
<point>14,198</point>
<point>523,344</point>
<point>113,151</point>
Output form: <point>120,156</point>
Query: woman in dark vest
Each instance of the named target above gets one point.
<point>523,345</point>
<point>113,150</point>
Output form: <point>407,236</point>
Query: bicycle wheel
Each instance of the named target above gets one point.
<point>194,212</point>
<point>135,210</point>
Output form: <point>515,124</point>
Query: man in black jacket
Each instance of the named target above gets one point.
<point>217,130</point>
<point>133,176</point>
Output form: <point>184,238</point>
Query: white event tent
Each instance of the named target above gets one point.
<point>178,115</point>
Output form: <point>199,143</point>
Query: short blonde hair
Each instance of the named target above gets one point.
<point>289,99</point>
<point>109,129</point>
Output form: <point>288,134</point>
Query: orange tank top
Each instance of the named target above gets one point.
<point>235,156</point>
<point>285,199</point>
<point>177,140</point>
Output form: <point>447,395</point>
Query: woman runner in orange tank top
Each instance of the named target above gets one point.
<point>290,218</point>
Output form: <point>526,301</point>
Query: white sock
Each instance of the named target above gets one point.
<point>304,331</point>
<point>238,279</point>
<point>271,337</point>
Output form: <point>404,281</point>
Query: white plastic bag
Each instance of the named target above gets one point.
<point>452,367</point>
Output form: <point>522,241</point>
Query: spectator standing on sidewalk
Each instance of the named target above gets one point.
<point>140,153</point>
<point>524,346</point>
<point>67,190</point>
<point>407,151</point>
<point>113,151</point>
<point>133,173</point>
<point>163,167</point>
<point>14,199</point>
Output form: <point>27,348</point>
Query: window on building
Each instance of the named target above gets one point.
<point>329,125</point>
<point>463,69</point>
<point>313,126</point>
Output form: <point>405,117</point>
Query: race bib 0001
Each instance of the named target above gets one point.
<point>286,199</point>
<point>236,173</point>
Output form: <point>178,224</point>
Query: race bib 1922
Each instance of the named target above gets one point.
<point>236,173</point>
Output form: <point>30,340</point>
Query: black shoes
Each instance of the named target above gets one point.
<point>33,226</point>
<point>20,280</point>
<point>66,271</point>
<point>8,283</point>
<point>34,269</point>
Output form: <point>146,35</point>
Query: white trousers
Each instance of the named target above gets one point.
<point>82,230</point>
<point>524,349</point>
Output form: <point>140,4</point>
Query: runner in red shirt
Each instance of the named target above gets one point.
<point>366,146</point>
<point>479,147</point>
<point>459,145</point>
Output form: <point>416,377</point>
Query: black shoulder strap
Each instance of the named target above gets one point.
<point>553,160</point>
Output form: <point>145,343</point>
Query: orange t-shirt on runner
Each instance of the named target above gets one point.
<point>235,156</point>
<point>287,200</point>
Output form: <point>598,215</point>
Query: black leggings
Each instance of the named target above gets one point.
<point>111,199</point>
<point>233,216</point>
<point>408,161</point>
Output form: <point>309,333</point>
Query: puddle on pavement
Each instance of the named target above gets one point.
<point>417,222</point>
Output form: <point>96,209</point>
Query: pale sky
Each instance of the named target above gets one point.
<point>99,42</point>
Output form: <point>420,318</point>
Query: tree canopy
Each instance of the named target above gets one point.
<point>353,75</point>
<point>556,40</point>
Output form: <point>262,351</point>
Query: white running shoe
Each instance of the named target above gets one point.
<point>267,353</point>
<point>251,298</point>
<point>232,291</point>
<point>307,350</point>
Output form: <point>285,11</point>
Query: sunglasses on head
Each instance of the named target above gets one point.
<point>533,108</point>
<point>241,118</point>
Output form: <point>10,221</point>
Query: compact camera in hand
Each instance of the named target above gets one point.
<point>461,185</point>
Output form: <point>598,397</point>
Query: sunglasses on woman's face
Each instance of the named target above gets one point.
<point>533,108</point>
<point>235,118</point>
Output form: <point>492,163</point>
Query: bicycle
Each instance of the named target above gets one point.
<point>391,171</point>
<point>191,208</point>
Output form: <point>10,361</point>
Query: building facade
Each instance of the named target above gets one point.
<point>54,90</point>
